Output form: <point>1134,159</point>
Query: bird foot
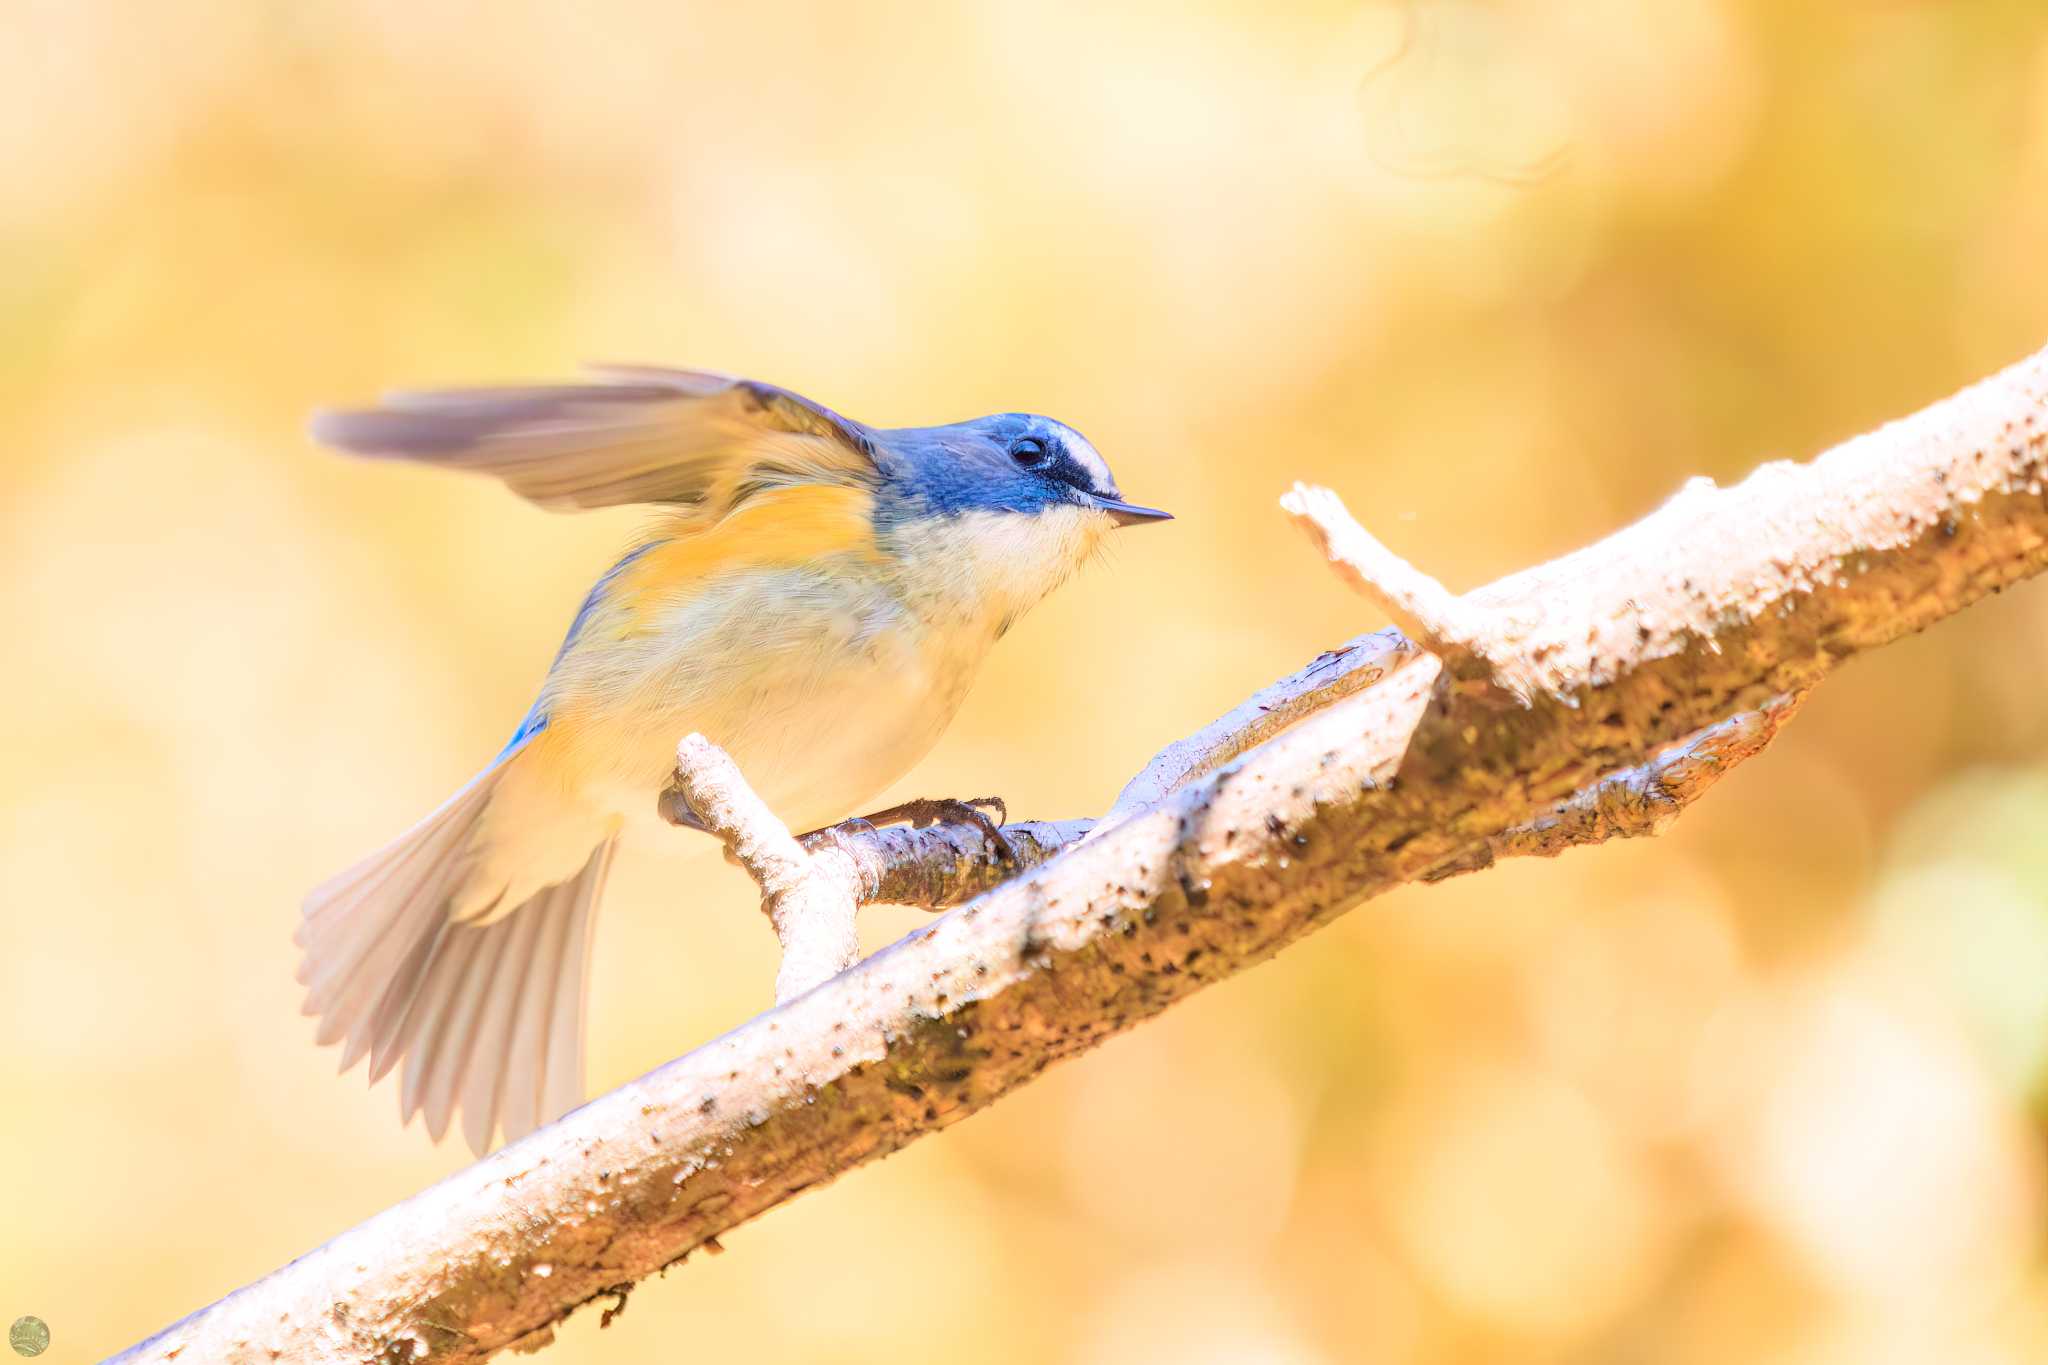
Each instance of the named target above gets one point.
<point>938,810</point>
<point>674,807</point>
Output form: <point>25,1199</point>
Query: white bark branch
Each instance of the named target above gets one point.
<point>812,909</point>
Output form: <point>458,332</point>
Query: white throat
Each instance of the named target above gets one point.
<point>997,565</point>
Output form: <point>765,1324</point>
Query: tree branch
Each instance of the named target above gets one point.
<point>812,910</point>
<point>939,867</point>
<point>1635,802</point>
<point>811,889</point>
<point>1703,615</point>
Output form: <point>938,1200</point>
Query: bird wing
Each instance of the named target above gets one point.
<point>641,434</point>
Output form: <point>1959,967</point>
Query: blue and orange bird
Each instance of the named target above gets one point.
<point>815,597</point>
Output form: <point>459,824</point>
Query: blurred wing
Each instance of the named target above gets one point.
<point>642,435</point>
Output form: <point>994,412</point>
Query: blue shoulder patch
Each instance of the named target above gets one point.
<point>535,722</point>
<point>537,719</point>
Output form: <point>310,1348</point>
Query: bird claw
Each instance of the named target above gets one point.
<point>674,807</point>
<point>835,835</point>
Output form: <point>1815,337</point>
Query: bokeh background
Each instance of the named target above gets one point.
<point>1766,1089</point>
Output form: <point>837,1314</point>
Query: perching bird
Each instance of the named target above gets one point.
<point>815,598</point>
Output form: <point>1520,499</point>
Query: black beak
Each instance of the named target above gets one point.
<point>1130,514</point>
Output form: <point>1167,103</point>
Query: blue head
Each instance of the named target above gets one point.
<point>1013,462</point>
<point>1009,504</point>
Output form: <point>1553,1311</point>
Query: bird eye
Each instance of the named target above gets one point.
<point>1029,452</point>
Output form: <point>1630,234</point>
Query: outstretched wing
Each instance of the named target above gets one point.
<point>641,434</point>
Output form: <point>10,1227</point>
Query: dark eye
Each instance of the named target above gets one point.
<point>1029,452</point>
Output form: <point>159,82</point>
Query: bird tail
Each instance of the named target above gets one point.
<point>487,1017</point>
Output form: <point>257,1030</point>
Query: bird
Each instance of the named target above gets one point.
<point>812,594</point>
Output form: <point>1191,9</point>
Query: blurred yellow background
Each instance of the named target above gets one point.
<point>1766,1089</point>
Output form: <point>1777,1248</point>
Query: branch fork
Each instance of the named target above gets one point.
<point>811,908</point>
<point>812,888</point>
<point>1466,635</point>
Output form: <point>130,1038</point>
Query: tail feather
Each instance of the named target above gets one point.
<point>536,1070</point>
<point>395,870</point>
<point>562,1077</point>
<point>486,1017</point>
<point>362,925</point>
<point>505,1003</point>
<point>526,1057</point>
<point>432,1028</point>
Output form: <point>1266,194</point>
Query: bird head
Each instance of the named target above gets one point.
<point>1012,503</point>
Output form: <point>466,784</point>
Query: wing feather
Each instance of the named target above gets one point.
<point>641,435</point>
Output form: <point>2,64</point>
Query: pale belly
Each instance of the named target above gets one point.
<point>823,693</point>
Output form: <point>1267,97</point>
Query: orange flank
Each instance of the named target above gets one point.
<point>799,524</point>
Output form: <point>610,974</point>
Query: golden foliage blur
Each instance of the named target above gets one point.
<point>1766,1089</point>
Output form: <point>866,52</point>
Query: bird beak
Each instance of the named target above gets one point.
<point>1130,514</point>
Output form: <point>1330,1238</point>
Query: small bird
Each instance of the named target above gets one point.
<point>814,596</point>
